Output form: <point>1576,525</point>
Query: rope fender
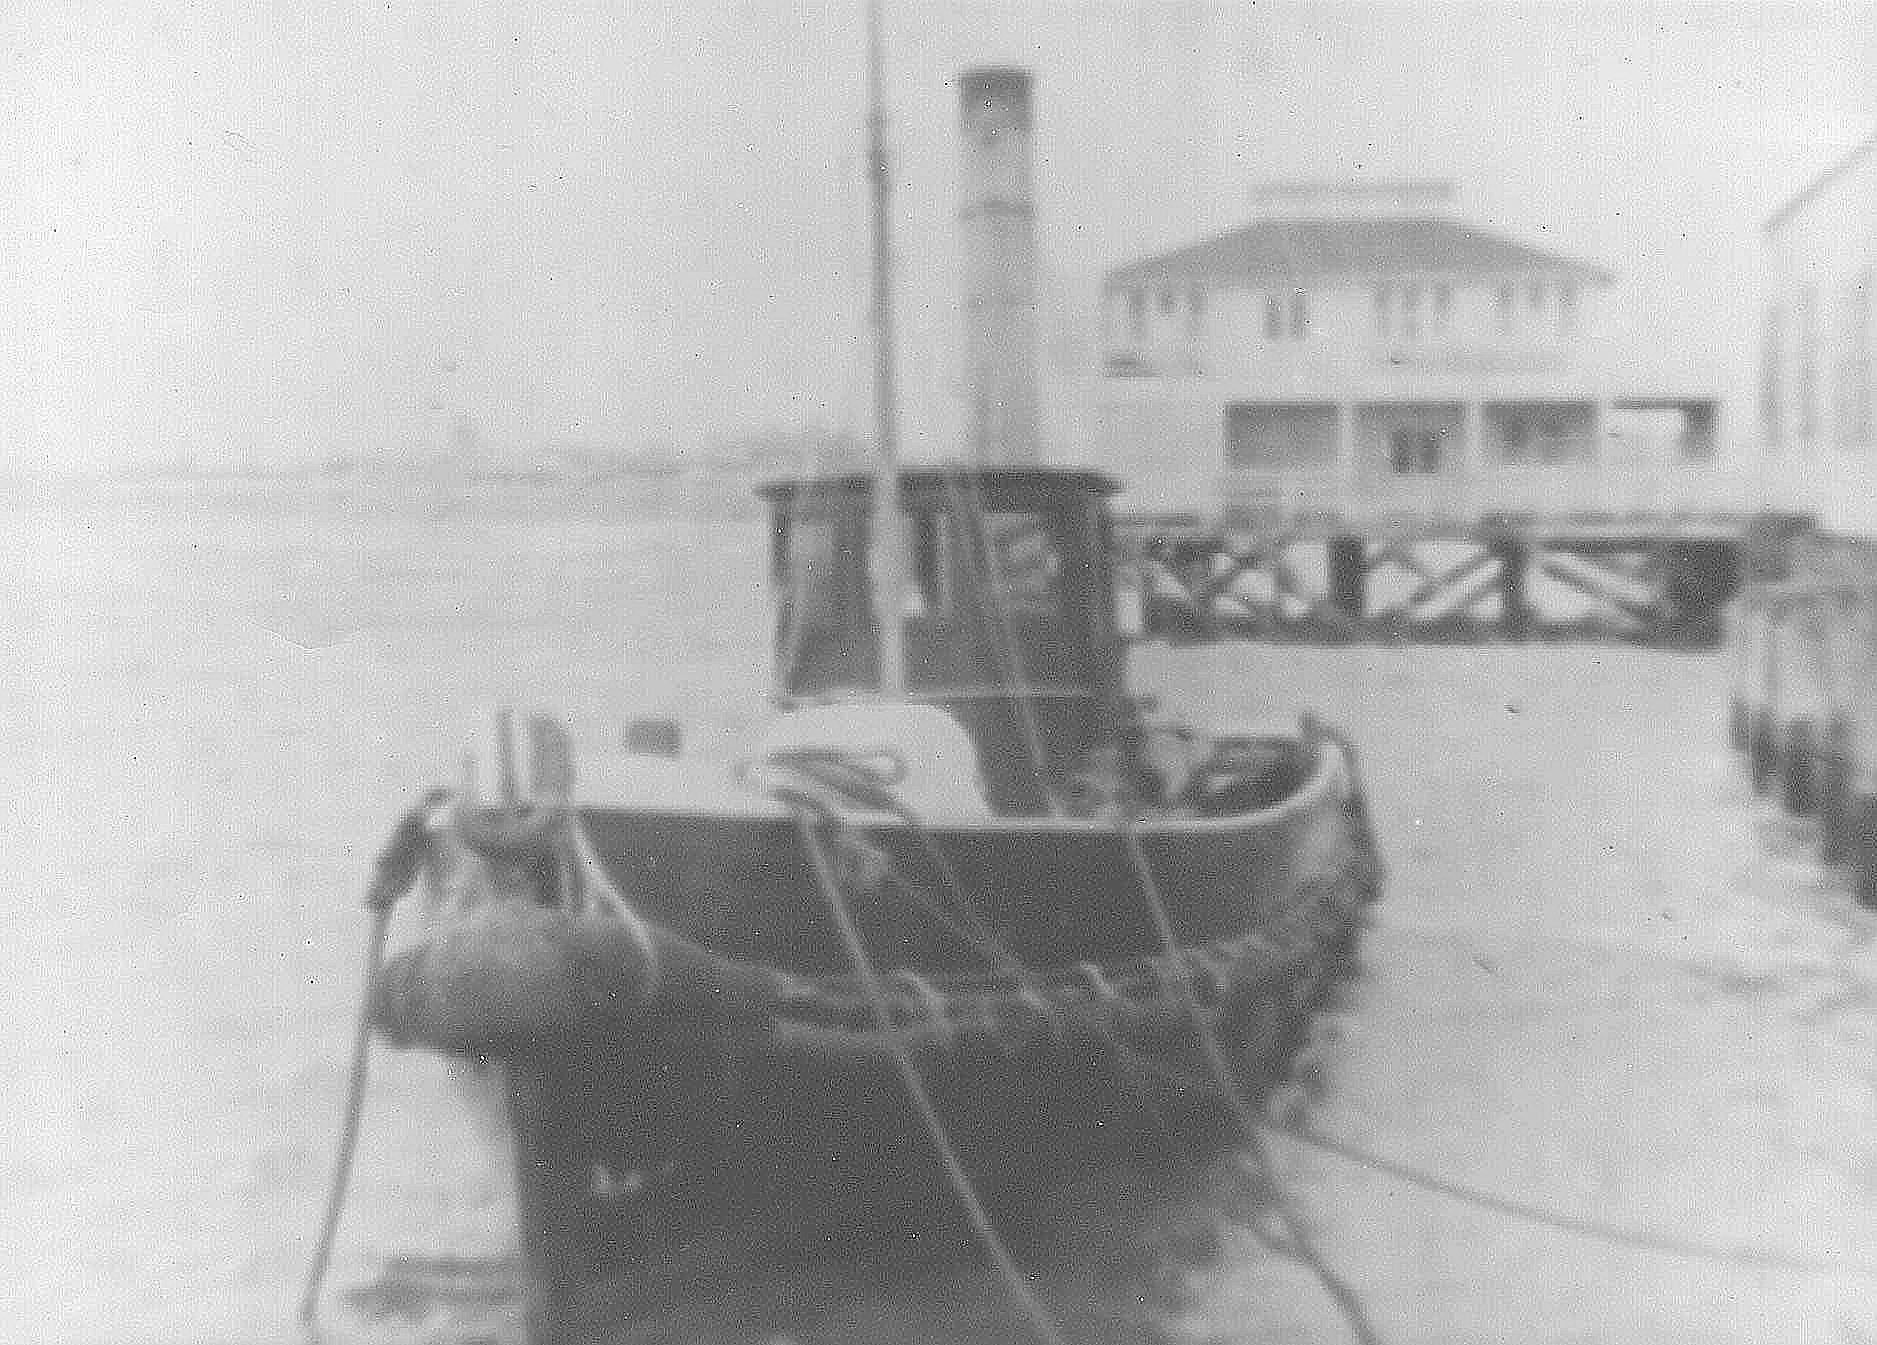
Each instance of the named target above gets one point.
<point>513,973</point>
<point>536,945</point>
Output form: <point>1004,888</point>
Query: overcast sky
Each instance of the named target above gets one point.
<point>256,232</point>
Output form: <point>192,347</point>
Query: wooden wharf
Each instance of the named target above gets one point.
<point>1659,578</point>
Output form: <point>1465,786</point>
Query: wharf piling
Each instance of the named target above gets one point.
<point>1662,580</point>
<point>1802,705</point>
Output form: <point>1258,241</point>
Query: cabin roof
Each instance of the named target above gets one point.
<point>1282,251</point>
<point>939,476</point>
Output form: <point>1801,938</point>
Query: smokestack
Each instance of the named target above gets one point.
<point>997,240</point>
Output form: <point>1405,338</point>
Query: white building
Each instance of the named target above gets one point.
<point>1357,351</point>
<point>1818,361</point>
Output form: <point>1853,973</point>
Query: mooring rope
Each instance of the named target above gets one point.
<point>1637,1239</point>
<point>1297,1238</point>
<point>1218,1084</point>
<point>836,777</point>
<point>392,875</point>
<point>874,790</point>
<point>1038,1317</point>
<point>349,1127</point>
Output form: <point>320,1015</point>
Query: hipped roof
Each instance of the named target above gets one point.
<point>1283,251</point>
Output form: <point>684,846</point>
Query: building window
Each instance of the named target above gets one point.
<point>1443,307</point>
<point>1806,389</point>
<point>1539,434</point>
<point>1772,336</point>
<point>1397,440</point>
<point>1411,313</point>
<point>1413,451</point>
<point>1384,305</point>
<point>1515,436</point>
<point>1137,316</point>
<point>1286,317</point>
<point>1505,307</point>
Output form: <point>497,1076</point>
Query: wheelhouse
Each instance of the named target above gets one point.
<point>1008,610</point>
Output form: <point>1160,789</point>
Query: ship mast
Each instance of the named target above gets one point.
<point>888,561</point>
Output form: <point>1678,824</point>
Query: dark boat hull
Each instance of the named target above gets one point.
<point>644,1139</point>
<point>1054,890</point>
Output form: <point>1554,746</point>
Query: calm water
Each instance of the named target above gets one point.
<point>1602,978</point>
<point>211,709</point>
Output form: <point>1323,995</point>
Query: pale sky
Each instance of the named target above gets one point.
<point>255,232</point>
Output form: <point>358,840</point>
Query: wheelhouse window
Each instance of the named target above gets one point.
<point>1005,561</point>
<point>806,569</point>
<point>1023,563</point>
<point>934,578</point>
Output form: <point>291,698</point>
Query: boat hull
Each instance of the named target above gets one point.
<point>647,1137</point>
<point>1053,890</point>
